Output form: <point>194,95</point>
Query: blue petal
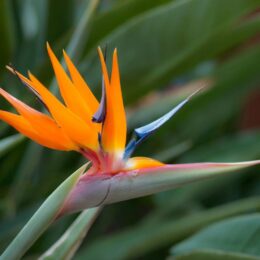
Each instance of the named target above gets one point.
<point>143,132</point>
<point>130,148</point>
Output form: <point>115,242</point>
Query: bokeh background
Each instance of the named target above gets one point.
<point>167,49</point>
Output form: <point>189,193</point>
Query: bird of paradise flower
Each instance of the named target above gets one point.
<point>98,131</point>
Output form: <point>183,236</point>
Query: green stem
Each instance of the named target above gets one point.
<point>41,219</point>
<point>67,245</point>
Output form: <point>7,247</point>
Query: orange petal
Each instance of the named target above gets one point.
<point>42,124</point>
<point>24,127</point>
<point>74,127</point>
<point>81,85</point>
<point>142,162</point>
<point>114,128</point>
<point>69,92</point>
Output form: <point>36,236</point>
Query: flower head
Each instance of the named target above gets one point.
<point>98,131</point>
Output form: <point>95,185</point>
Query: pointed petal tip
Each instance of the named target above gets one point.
<point>50,51</point>
<point>11,69</point>
<point>48,47</point>
<point>195,92</point>
<point>146,130</point>
<point>66,56</point>
<point>100,53</point>
<point>6,95</point>
<point>115,57</point>
<point>8,67</point>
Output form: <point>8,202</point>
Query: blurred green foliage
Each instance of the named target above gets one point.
<point>166,49</point>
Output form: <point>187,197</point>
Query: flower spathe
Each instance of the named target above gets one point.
<point>98,131</point>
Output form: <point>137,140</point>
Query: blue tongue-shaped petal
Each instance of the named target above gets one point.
<point>141,133</point>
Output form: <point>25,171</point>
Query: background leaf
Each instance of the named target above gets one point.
<point>214,255</point>
<point>8,143</point>
<point>7,33</point>
<point>68,244</point>
<point>134,242</point>
<point>240,234</point>
<point>181,50</point>
<point>42,218</point>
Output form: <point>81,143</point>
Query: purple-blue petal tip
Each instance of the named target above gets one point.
<point>143,132</point>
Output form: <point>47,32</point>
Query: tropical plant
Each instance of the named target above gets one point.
<point>167,50</point>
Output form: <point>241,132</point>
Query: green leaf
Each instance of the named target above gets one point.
<point>152,53</point>
<point>11,226</point>
<point>135,241</point>
<point>42,218</point>
<point>166,155</point>
<point>6,144</point>
<point>7,33</point>
<point>79,37</point>
<point>68,244</point>
<point>212,255</point>
<point>62,9</point>
<point>242,146</point>
<point>106,22</point>
<point>238,235</point>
